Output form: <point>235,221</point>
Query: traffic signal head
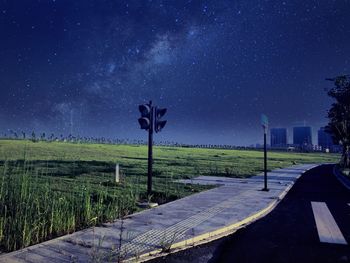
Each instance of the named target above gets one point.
<point>160,113</point>
<point>145,120</point>
<point>159,124</point>
<point>145,110</point>
<point>144,123</point>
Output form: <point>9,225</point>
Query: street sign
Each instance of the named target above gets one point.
<point>264,121</point>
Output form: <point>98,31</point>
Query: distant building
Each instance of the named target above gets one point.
<point>302,136</point>
<point>324,139</point>
<point>278,137</point>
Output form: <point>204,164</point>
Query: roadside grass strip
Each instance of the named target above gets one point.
<point>327,228</point>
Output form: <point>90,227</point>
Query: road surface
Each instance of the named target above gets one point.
<point>290,232</point>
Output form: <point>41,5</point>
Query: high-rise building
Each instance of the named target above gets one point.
<point>278,137</point>
<point>302,136</point>
<point>324,139</point>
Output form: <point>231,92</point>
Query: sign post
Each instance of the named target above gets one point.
<point>117,175</point>
<point>265,124</point>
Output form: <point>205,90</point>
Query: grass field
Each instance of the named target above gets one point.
<point>51,189</point>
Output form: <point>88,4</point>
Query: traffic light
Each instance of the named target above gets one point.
<point>146,116</point>
<point>151,121</point>
<point>158,123</point>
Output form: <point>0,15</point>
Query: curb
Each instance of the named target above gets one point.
<point>218,233</point>
<point>343,180</point>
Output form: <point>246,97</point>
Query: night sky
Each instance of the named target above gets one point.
<point>83,66</point>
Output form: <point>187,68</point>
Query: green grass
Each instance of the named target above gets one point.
<point>51,189</point>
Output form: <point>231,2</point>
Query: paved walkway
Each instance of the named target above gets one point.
<point>198,218</point>
<point>311,224</point>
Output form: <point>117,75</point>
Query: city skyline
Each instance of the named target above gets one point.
<point>315,134</point>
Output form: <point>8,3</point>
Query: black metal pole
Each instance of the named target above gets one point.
<point>265,163</point>
<point>150,146</point>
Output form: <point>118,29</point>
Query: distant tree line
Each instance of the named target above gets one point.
<point>51,137</point>
<point>36,137</point>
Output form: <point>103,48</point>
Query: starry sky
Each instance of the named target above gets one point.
<point>84,66</point>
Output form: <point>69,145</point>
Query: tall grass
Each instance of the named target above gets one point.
<point>31,211</point>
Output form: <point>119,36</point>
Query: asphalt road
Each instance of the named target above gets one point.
<point>289,232</point>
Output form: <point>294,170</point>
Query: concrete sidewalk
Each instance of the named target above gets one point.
<point>189,221</point>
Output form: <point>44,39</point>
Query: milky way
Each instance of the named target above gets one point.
<point>83,66</point>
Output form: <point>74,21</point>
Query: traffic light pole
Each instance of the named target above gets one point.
<point>151,121</point>
<point>150,151</point>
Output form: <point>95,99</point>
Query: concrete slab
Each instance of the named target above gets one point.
<point>198,218</point>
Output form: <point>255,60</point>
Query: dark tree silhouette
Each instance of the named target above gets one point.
<point>339,116</point>
<point>33,137</point>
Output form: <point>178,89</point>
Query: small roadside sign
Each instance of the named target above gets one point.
<point>264,121</point>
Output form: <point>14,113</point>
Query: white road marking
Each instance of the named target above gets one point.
<point>327,228</point>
